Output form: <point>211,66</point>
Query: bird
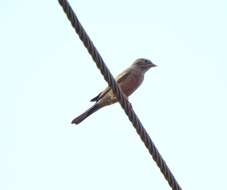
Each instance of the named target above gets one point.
<point>129,80</point>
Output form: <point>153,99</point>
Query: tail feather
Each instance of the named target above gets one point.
<point>84,115</point>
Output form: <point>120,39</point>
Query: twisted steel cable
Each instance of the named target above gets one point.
<point>121,98</point>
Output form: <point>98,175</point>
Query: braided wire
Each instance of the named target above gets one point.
<point>121,98</point>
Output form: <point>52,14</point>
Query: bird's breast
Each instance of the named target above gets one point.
<point>131,83</point>
<point>127,85</point>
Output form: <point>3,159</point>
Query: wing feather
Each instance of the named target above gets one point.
<point>121,77</point>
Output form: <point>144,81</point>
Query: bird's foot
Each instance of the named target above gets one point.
<point>129,105</point>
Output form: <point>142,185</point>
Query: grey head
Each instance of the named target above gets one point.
<point>143,64</point>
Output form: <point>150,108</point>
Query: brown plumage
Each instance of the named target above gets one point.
<point>129,80</point>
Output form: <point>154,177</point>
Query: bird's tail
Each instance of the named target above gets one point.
<point>84,115</point>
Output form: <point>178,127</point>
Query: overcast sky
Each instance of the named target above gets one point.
<point>47,78</point>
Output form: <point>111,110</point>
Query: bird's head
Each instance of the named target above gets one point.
<point>143,64</point>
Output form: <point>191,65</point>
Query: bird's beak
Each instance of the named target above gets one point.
<point>151,65</point>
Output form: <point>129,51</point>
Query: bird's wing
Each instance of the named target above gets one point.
<point>95,99</point>
<point>100,95</point>
<point>121,77</point>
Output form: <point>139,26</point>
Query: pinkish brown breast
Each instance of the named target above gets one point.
<point>132,82</point>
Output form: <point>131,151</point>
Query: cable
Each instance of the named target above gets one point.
<point>121,98</point>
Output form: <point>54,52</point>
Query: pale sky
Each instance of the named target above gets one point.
<point>47,78</point>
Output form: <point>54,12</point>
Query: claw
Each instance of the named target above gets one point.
<point>129,105</point>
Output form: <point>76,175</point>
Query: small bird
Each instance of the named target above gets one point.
<point>129,80</point>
